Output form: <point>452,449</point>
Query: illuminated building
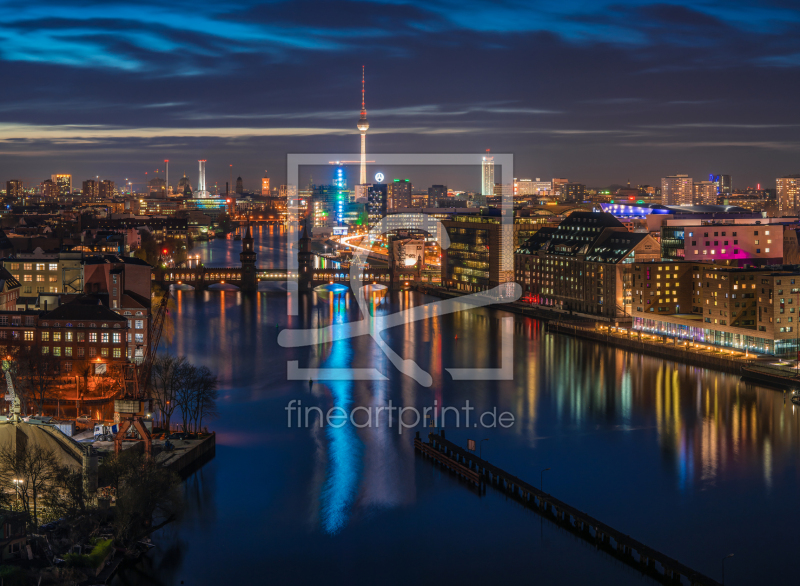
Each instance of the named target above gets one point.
<point>377,196</point>
<point>788,194</point>
<point>677,190</point>
<point>90,190</point>
<point>557,187</point>
<point>436,193</point>
<point>63,182</point>
<point>583,264</point>
<point>14,188</point>
<point>742,308</point>
<point>487,176</point>
<point>399,194</point>
<point>363,125</point>
<point>184,186</point>
<point>573,191</point>
<point>722,182</point>
<point>49,189</point>
<point>704,193</point>
<point>106,189</point>
<point>265,185</point>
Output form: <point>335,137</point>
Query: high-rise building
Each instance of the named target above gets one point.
<point>556,187</point>
<point>677,190</point>
<point>400,194</point>
<point>487,177</point>
<point>90,190</point>
<point>265,185</point>
<point>49,189</point>
<point>704,193</point>
<point>363,125</point>
<point>788,194</point>
<point>723,184</point>
<point>377,196</point>
<point>524,187</point>
<point>435,193</point>
<point>105,189</point>
<point>64,183</point>
<point>14,188</point>
<point>239,186</point>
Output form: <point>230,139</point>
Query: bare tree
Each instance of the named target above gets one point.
<point>164,381</point>
<point>148,498</point>
<point>41,371</point>
<point>207,394</point>
<point>28,471</point>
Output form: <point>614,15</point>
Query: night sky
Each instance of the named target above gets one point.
<point>599,92</point>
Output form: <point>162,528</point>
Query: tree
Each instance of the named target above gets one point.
<point>148,498</point>
<point>164,381</point>
<point>34,468</point>
<point>207,394</point>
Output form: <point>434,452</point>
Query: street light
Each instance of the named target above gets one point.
<point>730,555</point>
<point>480,447</point>
<point>541,479</point>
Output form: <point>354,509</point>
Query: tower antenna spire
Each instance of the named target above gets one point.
<point>363,107</point>
<point>363,125</point>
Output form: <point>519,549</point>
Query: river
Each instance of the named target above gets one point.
<point>693,462</point>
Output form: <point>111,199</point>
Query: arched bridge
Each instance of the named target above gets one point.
<point>204,276</point>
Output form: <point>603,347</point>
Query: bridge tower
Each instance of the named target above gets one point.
<point>249,283</point>
<point>305,261</point>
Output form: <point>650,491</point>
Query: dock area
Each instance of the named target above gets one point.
<point>625,548</point>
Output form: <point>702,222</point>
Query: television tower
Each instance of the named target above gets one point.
<point>363,125</point>
<point>201,180</point>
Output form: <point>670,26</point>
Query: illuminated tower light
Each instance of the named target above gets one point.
<point>363,125</point>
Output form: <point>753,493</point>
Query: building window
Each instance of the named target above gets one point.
<point>29,336</point>
<point>139,324</point>
<point>117,353</point>
<point>81,336</point>
<point>92,352</point>
<point>68,365</point>
<point>27,266</point>
<point>56,350</point>
<point>104,337</point>
<point>68,336</point>
<point>104,352</point>
<point>45,349</point>
<point>45,336</point>
<point>93,336</point>
<point>53,266</point>
<point>68,351</point>
<point>117,337</point>
<point>80,352</point>
<point>56,336</point>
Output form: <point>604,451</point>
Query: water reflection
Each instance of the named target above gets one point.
<point>664,452</point>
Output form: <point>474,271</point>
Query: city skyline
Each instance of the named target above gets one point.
<point>629,92</point>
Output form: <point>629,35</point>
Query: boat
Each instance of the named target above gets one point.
<point>237,237</point>
<point>796,397</point>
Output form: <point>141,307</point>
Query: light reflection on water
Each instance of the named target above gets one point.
<point>690,461</point>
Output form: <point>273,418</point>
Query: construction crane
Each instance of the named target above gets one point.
<point>16,407</point>
<point>131,410</point>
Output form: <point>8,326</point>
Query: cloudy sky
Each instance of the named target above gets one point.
<point>599,92</point>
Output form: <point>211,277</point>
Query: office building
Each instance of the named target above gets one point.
<point>557,187</point>
<point>788,194</point>
<point>14,188</point>
<point>573,191</point>
<point>265,185</point>
<point>704,193</point>
<point>723,184</point>
<point>63,182</point>
<point>583,264</point>
<point>400,194</point>
<point>487,176</point>
<point>749,308</point>
<point>677,190</point>
<point>435,193</point>
<point>377,196</point>
<point>239,186</point>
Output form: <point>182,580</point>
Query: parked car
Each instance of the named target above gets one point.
<point>85,418</point>
<point>178,436</point>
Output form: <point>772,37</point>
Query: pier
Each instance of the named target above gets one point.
<point>625,548</point>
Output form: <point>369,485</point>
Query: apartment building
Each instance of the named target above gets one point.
<point>743,308</point>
